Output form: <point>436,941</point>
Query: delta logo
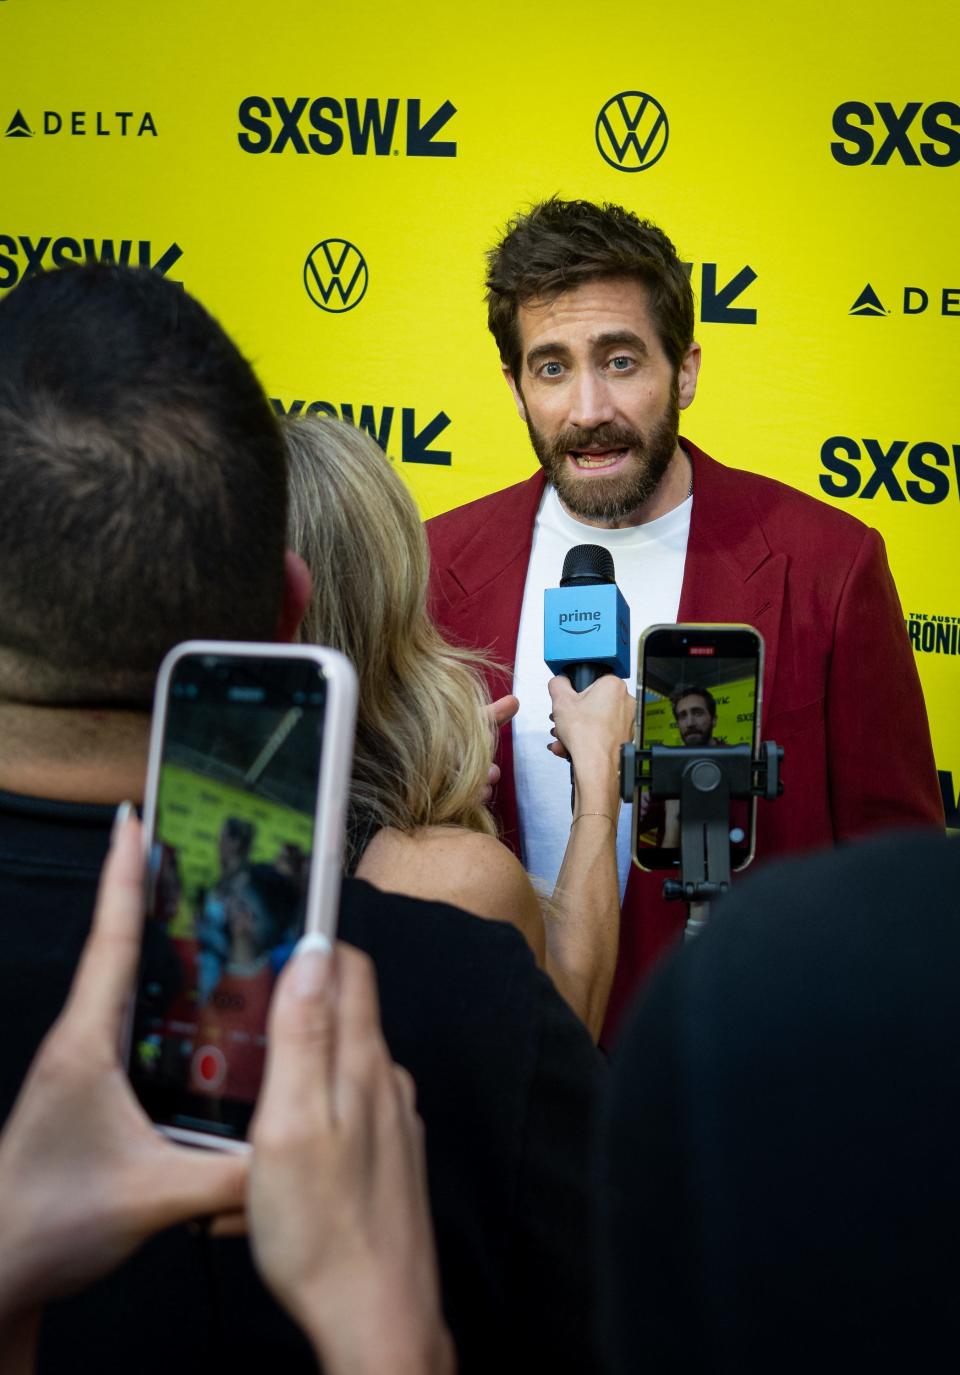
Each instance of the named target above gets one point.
<point>364,126</point>
<point>912,300</point>
<point>79,123</point>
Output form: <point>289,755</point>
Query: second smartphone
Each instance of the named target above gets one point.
<point>697,685</point>
<point>247,786</point>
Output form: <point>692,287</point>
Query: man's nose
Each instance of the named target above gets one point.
<point>591,403</point>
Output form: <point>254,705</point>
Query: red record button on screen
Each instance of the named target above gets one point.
<point>209,1066</point>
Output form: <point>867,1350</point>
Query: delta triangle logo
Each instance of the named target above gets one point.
<point>868,303</point>
<point>18,127</point>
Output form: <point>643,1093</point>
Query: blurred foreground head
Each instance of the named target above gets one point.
<point>780,1188</point>
<point>142,486</point>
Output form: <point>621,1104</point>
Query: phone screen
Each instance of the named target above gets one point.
<point>699,686</point>
<point>227,881</point>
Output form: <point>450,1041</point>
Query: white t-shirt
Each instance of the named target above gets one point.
<point>648,561</point>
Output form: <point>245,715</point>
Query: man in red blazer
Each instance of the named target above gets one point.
<point>593,315</point>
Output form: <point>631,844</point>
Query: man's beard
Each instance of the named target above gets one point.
<point>697,738</point>
<point>596,497</point>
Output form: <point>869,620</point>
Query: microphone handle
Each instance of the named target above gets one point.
<point>581,676</point>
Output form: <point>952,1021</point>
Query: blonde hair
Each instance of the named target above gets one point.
<point>424,742</point>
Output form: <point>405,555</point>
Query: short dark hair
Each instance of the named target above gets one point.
<point>142,485</point>
<point>561,244</point>
<point>681,692</point>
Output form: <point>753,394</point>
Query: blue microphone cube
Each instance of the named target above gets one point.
<point>586,625</point>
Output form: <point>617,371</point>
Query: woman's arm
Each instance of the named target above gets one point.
<point>576,940</point>
<point>583,928</point>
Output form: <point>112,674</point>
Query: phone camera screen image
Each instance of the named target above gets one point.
<point>699,689</point>
<point>227,881</point>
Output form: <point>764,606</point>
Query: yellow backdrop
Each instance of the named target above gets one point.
<point>326,179</point>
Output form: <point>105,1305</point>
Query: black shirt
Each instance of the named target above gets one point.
<point>507,1081</point>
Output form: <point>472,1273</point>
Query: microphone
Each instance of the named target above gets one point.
<point>586,622</point>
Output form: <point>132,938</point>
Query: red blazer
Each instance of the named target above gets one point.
<point>840,687</point>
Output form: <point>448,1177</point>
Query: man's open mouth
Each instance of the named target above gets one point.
<point>602,458</point>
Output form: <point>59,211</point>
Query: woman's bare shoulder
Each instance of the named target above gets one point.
<point>451,864</point>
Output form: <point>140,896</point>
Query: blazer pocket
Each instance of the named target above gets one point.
<point>784,725</point>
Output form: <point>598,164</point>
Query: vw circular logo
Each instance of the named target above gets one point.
<point>632,131</point>
<point>335,275</point>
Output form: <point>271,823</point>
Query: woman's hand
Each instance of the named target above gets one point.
<point>338,1210</point>
<point>85,1178</point>
<point>501,711</point>
<point>591,724</point>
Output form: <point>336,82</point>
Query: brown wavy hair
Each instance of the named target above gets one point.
<point>559,245</point>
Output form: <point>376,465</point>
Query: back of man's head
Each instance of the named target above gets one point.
<point>142,486</point>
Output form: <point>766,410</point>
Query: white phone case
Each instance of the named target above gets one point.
<point>340,714</point>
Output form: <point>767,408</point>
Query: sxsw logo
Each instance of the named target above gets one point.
<point>335,275</point>
<point>716,301</point>
<point>632,131</point>
<point>915,301</point>
<point>79,123</point>
<point>327,125</point>
<point>414,438</point>
<point>23,255</point>
<point>879,467</point>
<point>879,132</point>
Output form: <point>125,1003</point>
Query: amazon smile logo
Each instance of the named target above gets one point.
<point>592,616</point>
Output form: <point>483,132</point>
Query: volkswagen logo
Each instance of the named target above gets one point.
<point>335,275</point>
<point>632,131</point>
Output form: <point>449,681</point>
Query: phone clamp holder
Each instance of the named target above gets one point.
<point>704,779</point>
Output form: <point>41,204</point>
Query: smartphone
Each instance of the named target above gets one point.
<point>696,685</point>
<point>247,782</point>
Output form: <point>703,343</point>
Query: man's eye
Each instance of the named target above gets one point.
<point>551,369</point>
<point>621,363</point>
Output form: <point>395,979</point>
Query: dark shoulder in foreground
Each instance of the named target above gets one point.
<point>883,900</point>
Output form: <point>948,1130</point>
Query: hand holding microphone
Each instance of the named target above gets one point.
<point>590,726</point>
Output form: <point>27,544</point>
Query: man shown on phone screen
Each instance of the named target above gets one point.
<point>695,713</point>
<point>593,316</point>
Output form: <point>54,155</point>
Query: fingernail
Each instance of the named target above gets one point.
<point>123,815</point>
<point>312,958</point>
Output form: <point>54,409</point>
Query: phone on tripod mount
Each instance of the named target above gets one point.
<point>698,688</point>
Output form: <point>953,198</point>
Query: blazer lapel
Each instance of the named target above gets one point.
<point>483,587</point>
<point>484,583</point>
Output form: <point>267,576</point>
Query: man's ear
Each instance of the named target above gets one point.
<point>687,377</point>
<point>516,392</point>
<point>297,590</point>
